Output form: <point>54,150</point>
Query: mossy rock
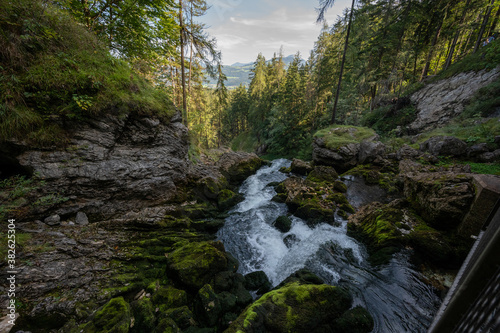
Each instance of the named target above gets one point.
<point>343,214</point>
<point>195,264</point>
<point>171,222</point>
<point>114,317</point>
<point>323,174</point>
<point>182,316</point>
<point>338,198</point>
<point>300,167</point>
<point>294,308</point>
<point>227,301</point>
<point>347,208</point>
<point>340,186</point>
<point>144,315</point>
<point>209,226</point>
<point>167,325</point>
<point>279,198</point>
<point>356,320</point>
<point>257,280</point>
<point>379,229</point>
<point>228,199</point>
<point>208,306</point>
<point>283,224</point>
<point>170,297</point>
<point>302,276</point>
<point>311,211</point>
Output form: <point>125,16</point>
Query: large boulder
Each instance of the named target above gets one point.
<point>342,158</point>
<point>386,229</point>
<point>303,201</point>
<point>441,198</point>
<point>238,166</point>
<point>300,167</point>
<point>195,264</point>
<point>370,151</point>
<point>445,146</point>
<point>113,317</point>
<point>303,308</point>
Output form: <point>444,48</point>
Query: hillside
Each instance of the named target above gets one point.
<point>54,71</point>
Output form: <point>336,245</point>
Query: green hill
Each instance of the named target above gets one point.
<point>53,70</point>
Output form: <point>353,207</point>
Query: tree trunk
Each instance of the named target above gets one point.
<point>191,51</point>
<point>494,24</point>
<point>183,74</point>
<point>334,112</point>
<point>431,51</point>
<point>483,26</point>
<point>457,34</point>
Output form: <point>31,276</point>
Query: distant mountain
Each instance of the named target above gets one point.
<point>239,64</point>
<point>239,73</point>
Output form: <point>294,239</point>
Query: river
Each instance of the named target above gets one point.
<point>392,293</point>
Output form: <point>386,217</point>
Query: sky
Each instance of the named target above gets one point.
<point>245,28</point>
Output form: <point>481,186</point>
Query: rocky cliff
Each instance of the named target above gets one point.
<point>439,102</point>
<point>105,216</point>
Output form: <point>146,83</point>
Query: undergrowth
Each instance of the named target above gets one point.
<point>487,57</point>
<point>52,70</point>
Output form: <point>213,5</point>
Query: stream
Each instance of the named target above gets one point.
<point>392,293</point>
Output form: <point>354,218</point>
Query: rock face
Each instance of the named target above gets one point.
<point>113,166</point>
<point>438,102</point>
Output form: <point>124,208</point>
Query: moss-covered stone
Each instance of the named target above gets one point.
<point>283,224</point>
<point>114,317</point>
<point>323,174</point>
<point>356,320</point>
<point>311,211</point>
<point>256,280</point>
<point>300,167</point>
<point>340,186</point>
<point>302,276</point>
<point>170,297</point>
<point>167,325</point>
<point>144,315</point>
<point>228,199</point>
<point>182,316</point>
<point>338,198</point>
<point>208,306</point>
<point>196,263</point>
<point>294,308</point>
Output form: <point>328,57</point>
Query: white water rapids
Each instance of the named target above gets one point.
<point>393,293</point>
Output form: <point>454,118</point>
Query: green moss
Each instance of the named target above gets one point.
<point>170,297</point>
<point>196,263</point>
<point>294,308</point>
<point>322,174</point>
<point>114,317</point>
<point>227,199</point>
<point>338,135</point>
<point>144,314</point>
<point>340,187</point>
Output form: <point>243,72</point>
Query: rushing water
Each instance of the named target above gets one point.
<point>393,294</point>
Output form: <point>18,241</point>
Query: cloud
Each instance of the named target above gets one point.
<point>263,26</point>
